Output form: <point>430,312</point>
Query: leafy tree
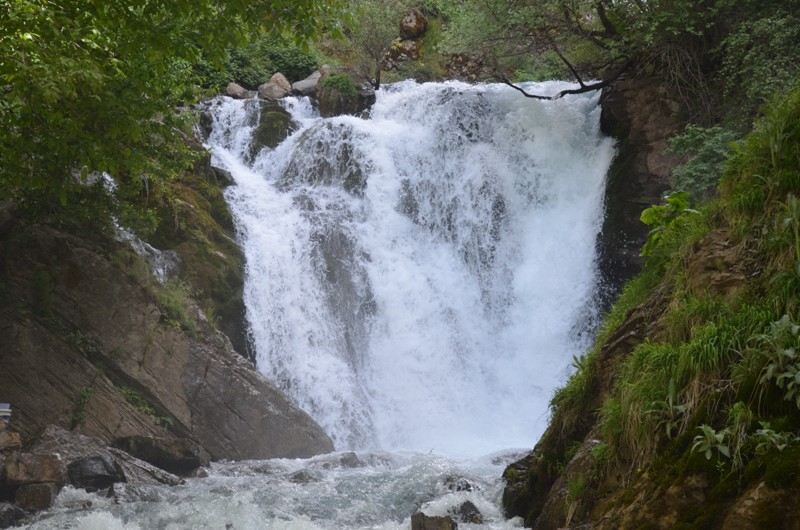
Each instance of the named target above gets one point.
<point>88,86</point>
<point>680,40</point>
<point>375,29</point>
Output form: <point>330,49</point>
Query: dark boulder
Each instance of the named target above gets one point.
<point>10,514</point>
<point>468,513</point>
<point>36,497</point>
<point>95,472</point>
<point>179,456</point>
<point>274,126</point>
<point>420,521</point>
<point>413,25</point>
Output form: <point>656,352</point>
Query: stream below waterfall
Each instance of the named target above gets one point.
<point>418,281</point>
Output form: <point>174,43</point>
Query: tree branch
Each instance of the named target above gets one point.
<point>583,88</point>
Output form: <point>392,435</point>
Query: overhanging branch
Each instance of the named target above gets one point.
<point>582,88</point>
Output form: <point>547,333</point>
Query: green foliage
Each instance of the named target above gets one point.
<point>375,27</point>
<point>704,150</point>
<point>782,366</point>
<point>761,58</point>
<point>254,64</point>
<point>175,299</point>
<point>88,86</point>
<point>661,219</point>
<point>342,84</point>
<point>135,398</point>
<point>667,412</point>
<point>84,343</point>
<point>576,488</point>
<point>764,167</point>
<point>710,441</point>
<point>767,439</point>
<point>568,402</point>
<point>78,414</point>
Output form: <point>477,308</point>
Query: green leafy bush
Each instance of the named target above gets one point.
<point>342,84</point>
<point>660,218</point>
<point>705,150</point>
<point>761,58</point>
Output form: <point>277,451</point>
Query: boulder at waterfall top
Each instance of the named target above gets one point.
<point>413,25</point>
<point>96,345</point>
<point>276,88</point>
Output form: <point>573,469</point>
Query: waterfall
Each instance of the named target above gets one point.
<point>420,279</point>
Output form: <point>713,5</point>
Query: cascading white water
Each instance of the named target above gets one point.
<point>421,279</point>
<point>417,280</point>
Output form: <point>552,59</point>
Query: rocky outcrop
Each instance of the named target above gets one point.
<point>642,115</point>
<point>197,227</point>
<point>32,479</point>
<point>276,88</point>
<point>73,447</point>
<point>274,126</point>
<point>413,25</point>
<point>95,345</point>
<point>333,101</point>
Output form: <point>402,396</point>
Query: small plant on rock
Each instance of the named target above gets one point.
<point>711,441</point>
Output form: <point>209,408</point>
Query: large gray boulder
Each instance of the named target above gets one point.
<point>308,86</point>
<point>238,92</point>
<point>276,88</point>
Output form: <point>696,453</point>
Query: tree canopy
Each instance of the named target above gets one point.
<point>90,85</point>
<point>684,41</point>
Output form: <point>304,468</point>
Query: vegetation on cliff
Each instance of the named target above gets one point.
<point>695,372</point>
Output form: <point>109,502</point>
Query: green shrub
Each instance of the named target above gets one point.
<point>342,84</point>
<point>761,57</point>
<point>705,150</point>
<point>765,166</point>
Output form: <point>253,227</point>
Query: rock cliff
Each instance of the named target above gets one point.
<point>91,342</point>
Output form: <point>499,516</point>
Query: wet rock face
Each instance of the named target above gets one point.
<point>642,116</point>
<point>115,341</point>
<point>420,521</point>
<point>274,126</point>
<point>467,512</point>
